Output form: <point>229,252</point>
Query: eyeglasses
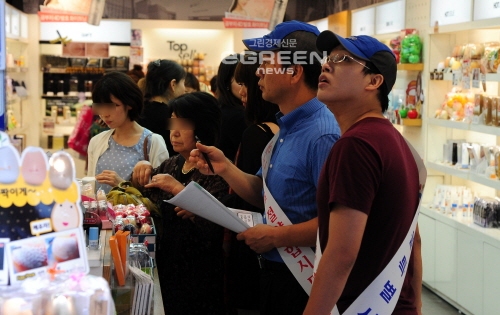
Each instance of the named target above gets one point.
<point>338,59</point>
<point>157,63</point>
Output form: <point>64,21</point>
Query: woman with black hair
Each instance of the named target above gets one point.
<point>233,112</point>
<point>164,81</point>
<point>242,264</point>
<point>112,154</point>
<point>189,248</point>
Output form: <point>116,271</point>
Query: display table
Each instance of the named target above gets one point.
<point>107,273</point>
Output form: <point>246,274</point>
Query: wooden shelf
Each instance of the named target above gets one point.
<point>417,122</point>
<point>411,66</point>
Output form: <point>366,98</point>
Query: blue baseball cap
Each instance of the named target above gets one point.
<point>366,48</point>
<point>275,39</point>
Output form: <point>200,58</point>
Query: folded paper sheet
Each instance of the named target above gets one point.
<point>197,200</point>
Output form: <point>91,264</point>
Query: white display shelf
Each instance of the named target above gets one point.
<point>465,174</point>
<point>466,26</point>
<point>17,69</point>
<point>491,130</point>
<point>489,235</point>
<point>490,77</point>
<point>450,170</point>
<point>448,123</point>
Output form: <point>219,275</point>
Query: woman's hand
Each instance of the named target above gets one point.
<point>166,183</point>
<point>184,213</point>
<point>110,178</point>
<point>142,173</point>
<point>216,156</point>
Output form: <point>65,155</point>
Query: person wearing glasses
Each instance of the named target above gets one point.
<point>368,190</point>
<point>112,154</point>
<point>189,254</point>
<point>285,186</point>
<point>164,81</point>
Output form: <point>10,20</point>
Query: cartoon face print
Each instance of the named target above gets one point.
<point>65,216</point>
<point>9,165</point>
<point>34,166</point>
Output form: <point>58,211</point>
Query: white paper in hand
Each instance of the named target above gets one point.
<point>197,200</point>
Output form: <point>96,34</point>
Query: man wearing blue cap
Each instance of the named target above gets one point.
<point>368,191</point>
<point>285,186</point>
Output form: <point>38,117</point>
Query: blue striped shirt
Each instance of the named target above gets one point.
<point>306,136</point>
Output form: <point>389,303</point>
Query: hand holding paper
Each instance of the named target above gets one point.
<point>197,200</point>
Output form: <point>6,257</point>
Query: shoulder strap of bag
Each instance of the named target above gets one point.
<point>145,148</point>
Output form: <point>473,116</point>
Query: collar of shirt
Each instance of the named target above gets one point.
<point>290,120</point>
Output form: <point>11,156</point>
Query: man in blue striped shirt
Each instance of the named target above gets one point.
<point>288,72</point>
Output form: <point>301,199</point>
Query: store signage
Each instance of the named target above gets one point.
<point>106,32</point>
<point>390,17</point>
<point>181,49</point>
<point>363,22</point>
<point>486,9</point>
<point>447,12</point>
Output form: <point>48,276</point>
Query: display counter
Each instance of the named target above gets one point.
<point>106,263</point>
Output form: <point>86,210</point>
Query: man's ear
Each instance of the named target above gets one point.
<point>297,73</point>
<point>376,81</point>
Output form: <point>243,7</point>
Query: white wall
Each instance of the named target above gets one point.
<point>211,38</point>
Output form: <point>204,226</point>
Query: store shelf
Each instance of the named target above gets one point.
<point>56,97</point>
<point>490,235</point>
<point>490,77</point>
<point>465,174</point>
<point>448,123</point>
<point>417,122</point>
<point>16,69</point>
<point>450,170</point>
<point>411,66</point>
<point>491,130</point>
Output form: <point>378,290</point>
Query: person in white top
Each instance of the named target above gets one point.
<point>113,154</point>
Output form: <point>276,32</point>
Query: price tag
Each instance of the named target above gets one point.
<point>456,77</point>
<point>475,77</point>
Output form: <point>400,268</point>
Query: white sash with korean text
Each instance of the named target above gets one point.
<point>381,296</point>
<point>298,259</point>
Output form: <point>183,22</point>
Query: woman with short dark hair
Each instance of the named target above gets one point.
<point>112,154</point>
<point>189,248</point>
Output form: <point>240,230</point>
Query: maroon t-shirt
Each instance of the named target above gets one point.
<point>371,169</point>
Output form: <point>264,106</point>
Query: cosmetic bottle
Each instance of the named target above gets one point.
<point>93,238</point>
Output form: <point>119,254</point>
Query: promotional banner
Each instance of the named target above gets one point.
<point>40,214</point>
<point>65,10</point>
<point>249,14</point>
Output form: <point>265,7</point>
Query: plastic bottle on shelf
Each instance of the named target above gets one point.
<point>102,203</point>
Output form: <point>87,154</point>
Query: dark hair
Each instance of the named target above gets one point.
<point>382,89</point>
<point>257,110</point>
<point>123,88</point>
<point>203,110</point>
<point>305,41</point>
<point>136,73</point>
<point>160,73</point>
<point>192,82</point>
<point>224,77</point>
<point>213,84</point>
